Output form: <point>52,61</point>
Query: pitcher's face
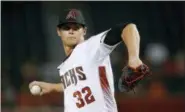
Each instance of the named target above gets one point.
<point>71,34</point>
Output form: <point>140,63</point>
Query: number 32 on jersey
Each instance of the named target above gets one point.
<point>88,97</point>
<point>86,91</point>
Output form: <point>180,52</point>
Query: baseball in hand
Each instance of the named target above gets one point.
<point>35,90</point>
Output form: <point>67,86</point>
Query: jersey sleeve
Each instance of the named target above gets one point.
<point>97,48</point>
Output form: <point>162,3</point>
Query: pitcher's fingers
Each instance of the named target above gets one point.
<point>42,92</point>
<point>34,83</point>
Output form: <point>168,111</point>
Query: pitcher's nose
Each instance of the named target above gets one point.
<point>71,31</point>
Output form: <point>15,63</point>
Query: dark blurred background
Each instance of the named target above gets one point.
<point>31,50</point>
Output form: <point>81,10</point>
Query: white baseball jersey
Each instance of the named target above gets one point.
<point>87,77</point>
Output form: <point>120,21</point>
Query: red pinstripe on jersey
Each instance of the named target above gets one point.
<point>108,97</point>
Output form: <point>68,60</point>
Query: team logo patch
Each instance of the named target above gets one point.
<point>72,14</point>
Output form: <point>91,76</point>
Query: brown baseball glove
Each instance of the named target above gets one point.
<point>131,77</point>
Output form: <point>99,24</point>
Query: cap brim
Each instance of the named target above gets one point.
<point>69,22</point>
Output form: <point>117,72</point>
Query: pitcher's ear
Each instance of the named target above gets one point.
<point>58,31</point>
<point>85,30</point>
